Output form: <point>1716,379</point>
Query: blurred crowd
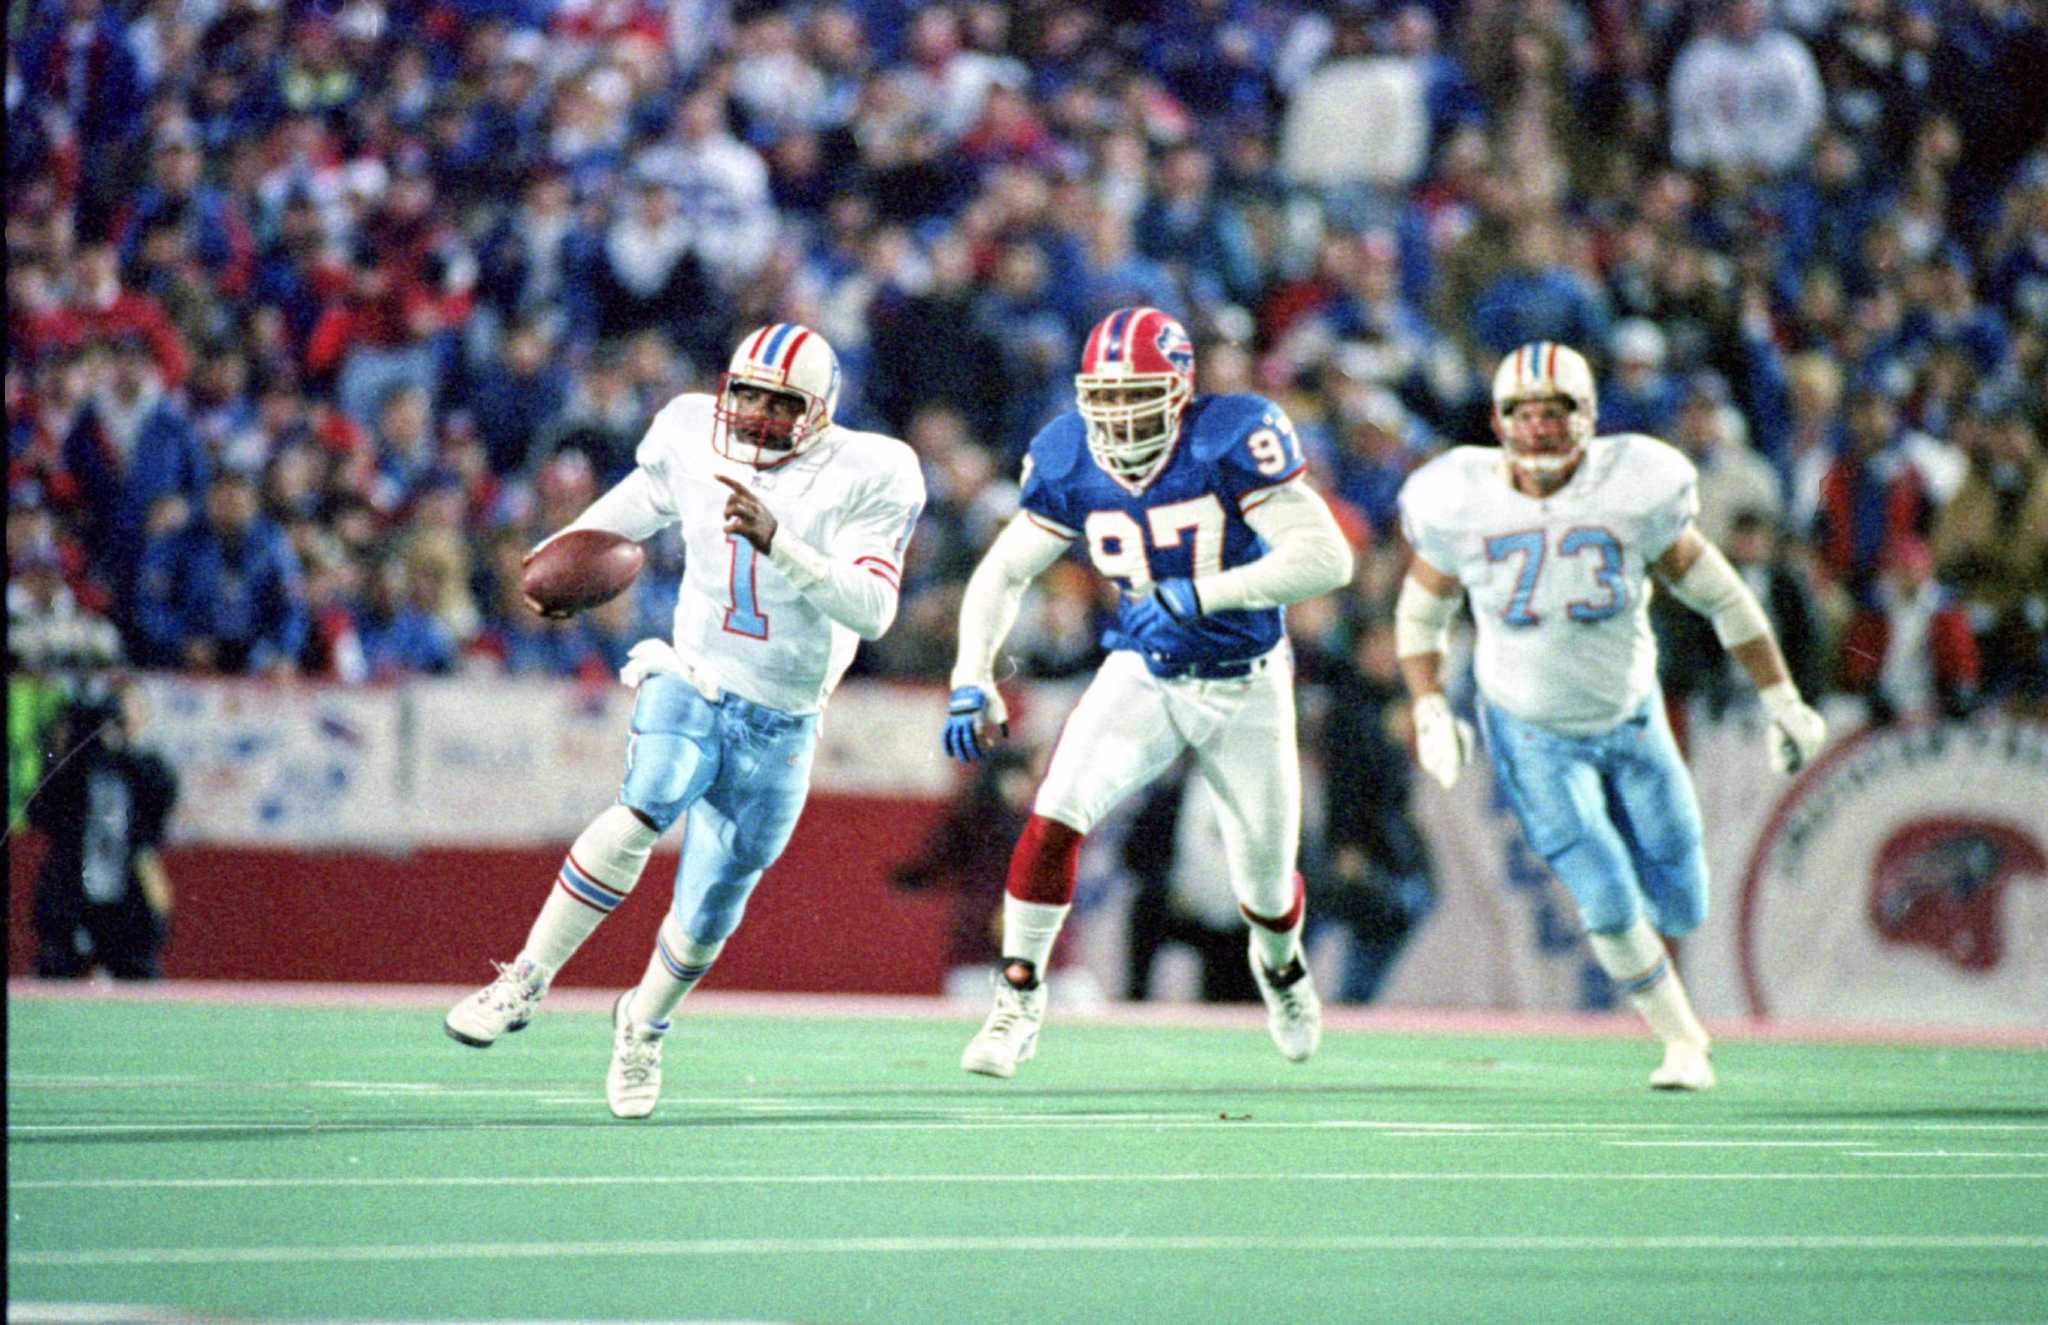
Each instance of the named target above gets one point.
<point>320,314</point>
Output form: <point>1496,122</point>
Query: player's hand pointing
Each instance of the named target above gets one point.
<point>746,516</point>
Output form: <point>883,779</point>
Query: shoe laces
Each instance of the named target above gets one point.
<point>513,987</point>
<point>639,1057</point>
<point>1010,1013</point>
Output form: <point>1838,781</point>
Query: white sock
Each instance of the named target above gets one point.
<point>601,868</point>
<point>1276,947</point>
<point>1031,928</point>
<point>678,963</point>
<point>1640,966</point>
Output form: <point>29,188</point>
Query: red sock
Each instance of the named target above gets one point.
<point>1043,866</point>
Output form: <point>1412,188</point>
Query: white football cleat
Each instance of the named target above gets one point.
<point>1010,1035</point>
<point>1686,1066</point>
<point>633,1085</point>
<point>504,1005</point>
<point>1294,1015</point>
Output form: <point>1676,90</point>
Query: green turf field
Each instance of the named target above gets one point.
<point>302,1162</point>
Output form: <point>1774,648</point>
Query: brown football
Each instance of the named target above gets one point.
<point>581,569</point>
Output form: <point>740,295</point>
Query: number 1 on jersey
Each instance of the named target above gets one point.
<point>743,617</point>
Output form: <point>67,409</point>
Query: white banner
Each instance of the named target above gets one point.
<point>278,765</point>
<point>468,762</point>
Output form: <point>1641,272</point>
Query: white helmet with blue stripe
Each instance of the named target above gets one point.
<point>787,360</point>
<point>1545,370</point>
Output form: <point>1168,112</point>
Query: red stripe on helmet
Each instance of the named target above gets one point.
<point>754,350</point>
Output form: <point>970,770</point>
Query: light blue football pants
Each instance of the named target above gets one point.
<point>1614,814</point>
<point>736,773</point>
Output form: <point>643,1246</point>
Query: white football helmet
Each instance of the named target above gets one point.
<point>1545,370</point>
<point>785,358</point>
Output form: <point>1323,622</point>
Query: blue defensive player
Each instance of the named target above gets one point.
<point>1196,507</point>
<point>1555,536</point>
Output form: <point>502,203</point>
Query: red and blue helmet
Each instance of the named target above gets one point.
<point>1137,377</point>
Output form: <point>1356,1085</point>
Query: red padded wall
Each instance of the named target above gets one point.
<point>825,919</point>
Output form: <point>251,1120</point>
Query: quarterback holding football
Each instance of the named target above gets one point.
<point>794,530</point>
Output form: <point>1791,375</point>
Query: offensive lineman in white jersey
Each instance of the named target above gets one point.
<point>1554,536</point>
<point>794,531</point>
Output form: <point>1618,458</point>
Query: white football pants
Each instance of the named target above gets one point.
<point>1130,726</point>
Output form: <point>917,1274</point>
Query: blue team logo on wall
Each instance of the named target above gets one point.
<point>1175,345</point>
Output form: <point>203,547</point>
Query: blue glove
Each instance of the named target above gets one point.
<point>1172,602</point>
<point>969,714</point>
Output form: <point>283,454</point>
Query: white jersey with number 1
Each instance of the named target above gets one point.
<point>1558,584</point>
<point>854,496</point>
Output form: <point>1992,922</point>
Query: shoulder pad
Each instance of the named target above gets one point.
<point>1218,423</point>
<point>1058,447</point>
<point>1444,478</point>
<point>1652,466</point>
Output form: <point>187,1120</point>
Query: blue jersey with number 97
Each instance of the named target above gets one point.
<point>1188,521</point>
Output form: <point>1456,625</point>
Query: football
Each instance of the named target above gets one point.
<point>579,570</point>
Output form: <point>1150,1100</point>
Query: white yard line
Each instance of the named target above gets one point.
<point>1739,1145</point>
<point>929,1246</point>
<point>914,1179</point>
<point>1950,1154</point>
<point>1005,1120</point>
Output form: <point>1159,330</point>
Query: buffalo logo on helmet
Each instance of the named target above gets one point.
<point>1175,347</point>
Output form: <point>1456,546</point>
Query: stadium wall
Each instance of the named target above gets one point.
<point>409,834</point>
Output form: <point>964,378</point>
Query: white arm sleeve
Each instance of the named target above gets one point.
<point>856,580</point>
<point>859,594</point>
<point>1306,555</point>
<point>635,506</point>
<point>994,593</point>
<point>1711,588</point>
<point>1421,619</point>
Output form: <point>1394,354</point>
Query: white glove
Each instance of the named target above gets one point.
<point>650,656</point>
<point>1797,732</point>
<point>1443,741</point>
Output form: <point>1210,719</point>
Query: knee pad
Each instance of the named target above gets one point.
<point>1597,876</point>
<point>1677,893</point>
<point>716,906</point>
<point>672,755</point>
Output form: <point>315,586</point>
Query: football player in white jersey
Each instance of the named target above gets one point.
<point>1554,536</point>
<point>794,531</point>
